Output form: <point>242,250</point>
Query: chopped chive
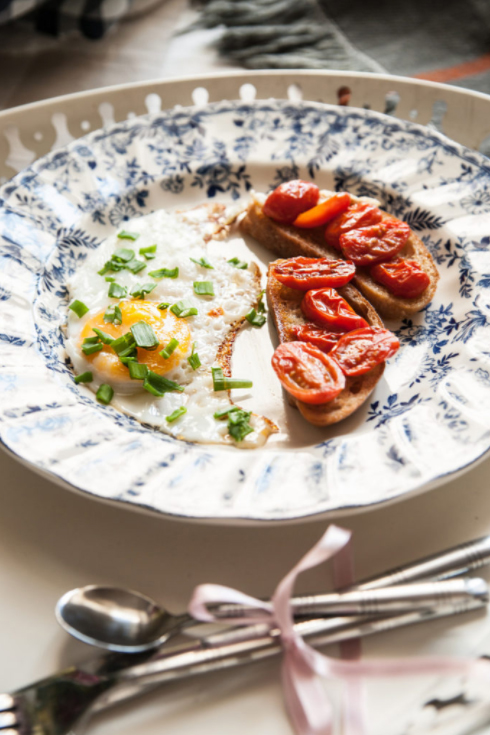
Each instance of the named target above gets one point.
<point>123,254</point>
<point>110,279</point>
<point>90,349</point>
<point>84,378</point>
<point>125,345</point>
<point>256,320</point>
<point>135,266</point>
<point>238,263</point>
<point>91,341</point>
<point>127,360</point>
<point>113,315</point>
<point>105,268</point>
<point>163,306</point>
<point>260,302</point>
<point>144,336</point>
<point>137,371</point>
<point>183,309</point>
<point>117,292</point>
<point>165,273</point>
<point>238,424</point>
<point>124,235</point>
<point>107,339</point>
<point>104,394</point>
<point>224,414</point>
<point>158,385</point>
<point>149,252</point>
<point>167,351</point>
<point>79,308</point>
<point>193,358</point>
<point>176,414</point>
<point>220,382</point>
<point>140,291</point>
<point>202,261</point>
<point>203,288</point>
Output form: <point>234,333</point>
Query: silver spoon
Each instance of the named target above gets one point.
<point>128,622</point>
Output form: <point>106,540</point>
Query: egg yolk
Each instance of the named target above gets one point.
<point>165,326</point>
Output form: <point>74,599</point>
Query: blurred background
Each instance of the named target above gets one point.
<point>55,47</point>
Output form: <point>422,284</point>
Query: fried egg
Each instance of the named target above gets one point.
<point>180,240</point>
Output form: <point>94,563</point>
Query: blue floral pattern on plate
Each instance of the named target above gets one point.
<point>428,419</point>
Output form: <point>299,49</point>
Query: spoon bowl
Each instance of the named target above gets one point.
<point>117,619</point>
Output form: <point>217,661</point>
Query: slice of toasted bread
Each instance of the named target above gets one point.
<point>285,306</point>
<point>288,242</point>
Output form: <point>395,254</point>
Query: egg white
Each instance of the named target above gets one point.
<point>179,237</point>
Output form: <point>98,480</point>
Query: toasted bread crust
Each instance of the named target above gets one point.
<point>285,306</point>
<point>289,242</point>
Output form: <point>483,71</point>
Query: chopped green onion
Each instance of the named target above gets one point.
<point>203,288</point>
<point>140,291</point>
<point>202,261</point>
<point>144,336</point>
<point>123,254</point>
<point>113,315</point>
<point>137,371</point>
<point>222,383</point>
<point>124,235</point>
<point>84,378</point>
<point>110,279</point>
<point>165,273</point>
<point>163,306</point>
<point>107,339</point>
<point>104,394</point>
<point>135,266</point>
<point>91,341</point>
<point>238,263</point>
<point>238,424</point>
<point>183,309</point>
<point>149,252</point>
<point>125,345</point>
<point>167,351</point>
<point>224,414</point>
<point>193,358</point>
<point>106,267</point>
<point>158,385</point>
<point>90,349</point>
<point>176,414</point>
<point>256,320</point>
<point>117,292</point>
<point>127,360</point>
<point>79,308</point>
<point>260,302</point>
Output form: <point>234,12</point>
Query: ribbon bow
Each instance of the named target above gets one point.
<point>303,667</point>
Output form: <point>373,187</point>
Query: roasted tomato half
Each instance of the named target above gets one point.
<point>290,199</point>
<point>374,244</point>
<point>307,273</point>
<point>359,214</point>
<point>324,212</point>
<point>321,338</point>
<point>404,278</point>
<point>307,373</point>
<point>359,351</point>
<point>327,308</point>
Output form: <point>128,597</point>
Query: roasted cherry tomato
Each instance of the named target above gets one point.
<point>306,373</point>
<point>359,351</point>
<point>324,212</point>
<point>359,214</point>
<point>404,278</point>
<point>306,273</point>
<point>321,338</point>
<point>286,202</point>
<point>371,245</point>
<point>328,309</point>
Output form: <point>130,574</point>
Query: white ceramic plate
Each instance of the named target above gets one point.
<point>428,418</point>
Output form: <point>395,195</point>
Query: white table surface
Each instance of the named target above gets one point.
<point>52,539</point>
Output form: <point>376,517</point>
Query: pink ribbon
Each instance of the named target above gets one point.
<point>303,667</point>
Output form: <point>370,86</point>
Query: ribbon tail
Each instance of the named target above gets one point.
<point>305,696</point>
